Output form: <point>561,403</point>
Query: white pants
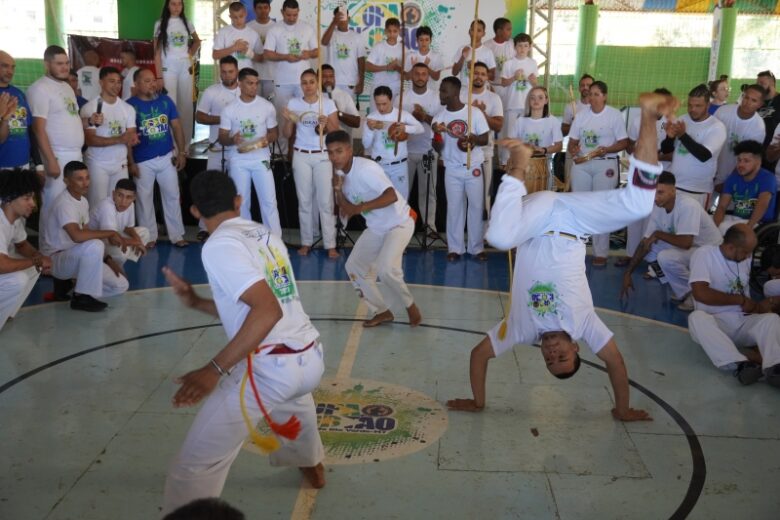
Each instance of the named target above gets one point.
<point>14,289</point>
<point>179,84</point>
<point>283,94</point>
<point>426,186</point>
<point>487,179</point>
<point>214,161</point>
<point>313,176</point>
<point>701,198</point>
<point>675,263</point>
<point>399,177</point>
<point>463,188</point>
<point>103,177</point>
<point>131,254</point>
<point>721,334</point>
<point>596,175</point>
<point>772,288</point>
<point>634,232</point>
<point>84,262</point>
<point>381,255</point>
<point>245,174</point>
<point>285,383</point>
<point>159,169</point>
<point>728,221</point>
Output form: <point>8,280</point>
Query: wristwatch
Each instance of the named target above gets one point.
<point>340,114</point>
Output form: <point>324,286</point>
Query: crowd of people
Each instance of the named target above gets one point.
<point>698,187</point>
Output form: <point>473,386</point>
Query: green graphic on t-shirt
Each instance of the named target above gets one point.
<point>86,78</point>
<point>733,141</point>
<point>736,286</point>
<point>154,125</point>
<point>590,139</point>
<point>18,122</point>
<point>682,150</point>
<point>114,128</point>
<point>500,60</point>
<point>543,298</point>
<point>521,85</point>
<point>388,61</point>
<point>294,46</point>
<point>177,39</point>
<point>279,275</point>
<point>71,106</point>
<point>248,128</point>
<point>342,51</point>
<point>389,143</point>
<point>532,139</point>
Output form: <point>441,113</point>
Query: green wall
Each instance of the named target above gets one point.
<point>136,17</point>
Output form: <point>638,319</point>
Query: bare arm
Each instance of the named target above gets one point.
<point>44,146</point>
<point>370,67</point>
<point>618,377</point>
<point>764,198</point>
<point>206,119</point>
<point>325,41</point>
<point>681,241</point>
<point>79,235</point>
<point>703,293</point>
<point>195,44</point>
<point>720,212</point>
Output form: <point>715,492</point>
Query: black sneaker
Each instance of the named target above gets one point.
<point>748,372</point>
<point>62,289</point>
<point>202,235</point>
<point>85,302</point>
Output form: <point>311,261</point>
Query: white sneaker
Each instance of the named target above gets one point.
<point>687,304</point>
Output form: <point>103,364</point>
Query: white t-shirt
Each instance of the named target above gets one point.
<point>177,38</point>
<point>213,101</point>
<point>602,129</point>
<point>493,107</point>
<point>65,210</point>
<point>484,55</point>
<point>252,120</point>
<point>290,39</point>
<point>105,217</point>
<point>89,81</point>
<point>692,174</point>
<point>228,35</point>
<point>265,68</point>
<point>344,103</point>
<point>688,217</point>
<point>503,52</point>
<point>11,234</point>
<point>550,289</point>
<point>128,83</point>
<point>709,265</point>
<point>241,253</point>
<point>117,118</point>
<point>377,143</point>
<point>367,181</point>
<point>660,134</point>
<point>435,62</point>
<point>568,112</point>
<point>737,130</point>
<point>55,102</point>
<point>430,102</point>
<point>544,132</point>
<point>515,94</point>
<point>342,54</point>
<point>381,54</point>
<point>457,126</point>
<point>306,137</point>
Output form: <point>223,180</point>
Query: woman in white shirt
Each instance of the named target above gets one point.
<point>312,170</point>
<point>596,138</point>
<point>175,42</point>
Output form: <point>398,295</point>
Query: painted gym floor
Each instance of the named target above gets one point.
<point>88,428</point>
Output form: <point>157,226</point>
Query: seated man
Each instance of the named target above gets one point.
<point>770,264</point>
<point>554,304</point>
<point>20,262</point>
<point>117,213</point>
<point>725,317</point>
<point>752,189</point>
<point>77,251</point>
<point>676,227</point>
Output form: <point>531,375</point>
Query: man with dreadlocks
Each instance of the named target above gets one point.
<point>20,262</point>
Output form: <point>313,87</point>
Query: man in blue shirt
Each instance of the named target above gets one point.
<point>15,118</point>
<point>750,190</point>
<point>154,158</point>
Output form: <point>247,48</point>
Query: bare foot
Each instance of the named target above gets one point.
<point>753,354</point>
<point>519,157</point>
<point>181,243</point>
<point>333,253</point>
<point>150,245</point>
<point>379,319</point>
<point>304,250</point>
<point>314,475</point>
<point>415,318</point>
<point>658,105</point>
<point>464,405</point>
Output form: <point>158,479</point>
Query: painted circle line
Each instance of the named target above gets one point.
<point>698,475</point>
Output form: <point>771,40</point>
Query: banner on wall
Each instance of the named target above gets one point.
<point>717,34</point>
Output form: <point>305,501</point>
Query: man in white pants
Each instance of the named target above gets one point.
<point>110,132</point>
<point>77,251</point>
<point>675,229</point>
<point>258,300</point>
<point>423,103</point>
<point>250,122</point>
<point>384,138</point>
<point>463,182</point>
<point>153,159</point>
<point>725,317</point>
<point>212,102</point>
<point>237,39</point>
<point>117,213</point>
<point>20,262</point>
<point>261,25</point>
<point>346,52</point>
<point>362,188</point>
<point>696,140</point>
<point>551,301</point>
<point>56,124</point>
<point>349,116</point>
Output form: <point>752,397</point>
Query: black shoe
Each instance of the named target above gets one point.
<point>85,302</point>
<point>202,235</point>
<point>62,289</point>
<point>748,372</point>
<point>773,376</point>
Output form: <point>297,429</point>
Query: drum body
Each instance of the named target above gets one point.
<point>537,176</point>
